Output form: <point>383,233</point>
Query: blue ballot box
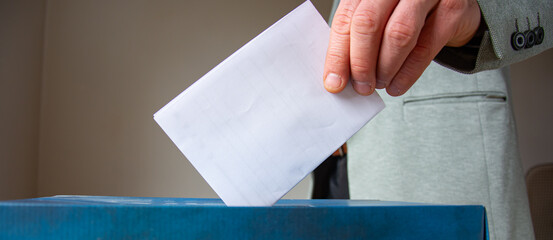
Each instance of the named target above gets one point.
<point>96,217</point>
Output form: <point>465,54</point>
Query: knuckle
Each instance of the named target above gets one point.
<point>342,19</point>
<point>360,68</point>
<point>421,54</point>
<point>401,35</point>
<point>341,25</point>
<point>366,22</point>
<point>337,58</point>
<point>408,74</point>
<point>454,5</point>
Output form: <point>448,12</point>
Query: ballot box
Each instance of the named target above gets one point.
<point>98,217</point>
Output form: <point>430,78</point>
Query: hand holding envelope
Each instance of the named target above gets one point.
<point>260,121</point>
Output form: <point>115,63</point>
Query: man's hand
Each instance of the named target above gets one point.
<point>389,43</point>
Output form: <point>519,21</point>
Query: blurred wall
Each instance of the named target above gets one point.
<point>532,84</point>
<point>109,66</point>
<point>21,40</point>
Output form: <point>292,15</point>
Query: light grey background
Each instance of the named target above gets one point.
<point>80,81</point>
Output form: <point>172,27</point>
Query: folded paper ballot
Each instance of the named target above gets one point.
<point>260,121</point>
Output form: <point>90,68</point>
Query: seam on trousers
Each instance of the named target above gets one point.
<point>490,202</point>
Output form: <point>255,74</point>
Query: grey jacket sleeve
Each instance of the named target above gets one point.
<point>511,31</point>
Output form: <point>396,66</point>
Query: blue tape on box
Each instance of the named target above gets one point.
<point>97,217</point>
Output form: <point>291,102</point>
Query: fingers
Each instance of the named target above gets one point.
<point>389,43</point>
<point>440,27</point>
<point>400,37</point>
<point>367,26</point>
<point>337,68</point>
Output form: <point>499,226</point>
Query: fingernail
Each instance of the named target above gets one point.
<point>333,81</point>
<point>363,88</point>
<point>393,90</point>
<point>380,84</point>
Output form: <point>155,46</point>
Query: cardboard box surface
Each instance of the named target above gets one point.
<point>98,217</point>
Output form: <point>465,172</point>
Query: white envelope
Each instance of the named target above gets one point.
<point>260,121</point>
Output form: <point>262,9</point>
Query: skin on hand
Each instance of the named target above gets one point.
<point>389,43</point>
